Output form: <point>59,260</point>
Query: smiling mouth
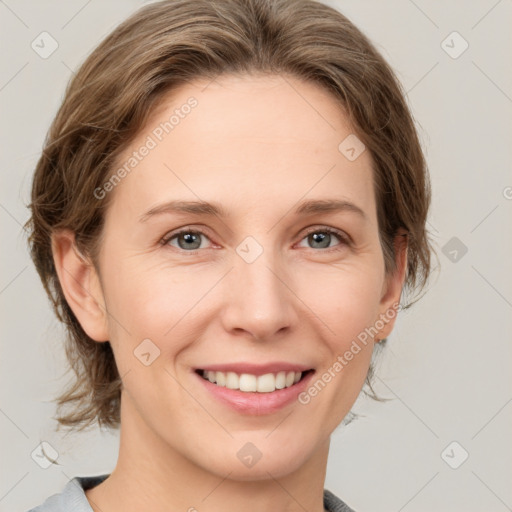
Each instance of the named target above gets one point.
<point>249,383</point>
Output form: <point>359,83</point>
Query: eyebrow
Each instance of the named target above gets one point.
<point>309,207</point>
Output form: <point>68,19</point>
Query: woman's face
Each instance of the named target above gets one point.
<point>261,281</point>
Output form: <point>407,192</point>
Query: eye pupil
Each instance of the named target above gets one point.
<point>320,237</point>
<point>190,238</point>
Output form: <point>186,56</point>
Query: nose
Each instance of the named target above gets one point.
<point>258,299</point>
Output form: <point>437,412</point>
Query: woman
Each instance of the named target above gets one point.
<point>230,201</point>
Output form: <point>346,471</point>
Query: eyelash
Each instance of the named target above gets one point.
<point>344,238</point>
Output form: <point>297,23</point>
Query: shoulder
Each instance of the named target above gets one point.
<point>333,504</point>
<point>72,497</point>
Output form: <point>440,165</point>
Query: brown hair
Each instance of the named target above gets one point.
<point>172,42</point>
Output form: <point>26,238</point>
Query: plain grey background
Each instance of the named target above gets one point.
<point>447,364</point>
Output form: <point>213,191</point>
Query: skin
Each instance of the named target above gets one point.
<point>258,145</point>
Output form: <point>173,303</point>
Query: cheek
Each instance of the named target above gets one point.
<point>151,298</point>
<point>344,298</point>
<point>158,304</point>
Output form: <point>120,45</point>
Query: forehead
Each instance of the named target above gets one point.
<point>246,141</point>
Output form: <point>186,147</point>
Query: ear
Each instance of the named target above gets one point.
<point>392,289</point>
<point>81,285</point>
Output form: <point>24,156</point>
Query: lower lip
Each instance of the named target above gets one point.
<point>253,403</point>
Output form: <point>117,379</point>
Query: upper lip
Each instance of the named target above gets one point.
<point>256,369</point>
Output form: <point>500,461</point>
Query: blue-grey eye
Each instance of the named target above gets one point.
<point>321,238</point>
<point>187,240</point>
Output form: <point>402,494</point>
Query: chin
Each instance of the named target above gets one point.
<point>258,460</point>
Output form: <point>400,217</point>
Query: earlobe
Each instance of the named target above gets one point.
<point>80,284</point>
<point>393,286</point>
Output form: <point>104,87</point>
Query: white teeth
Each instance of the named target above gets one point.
<point>220,378</point>
<point>266,383</point>
<point>232,381</point>
<point>248,382</point>
<point>281,380</point>
<point>252,383</point>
